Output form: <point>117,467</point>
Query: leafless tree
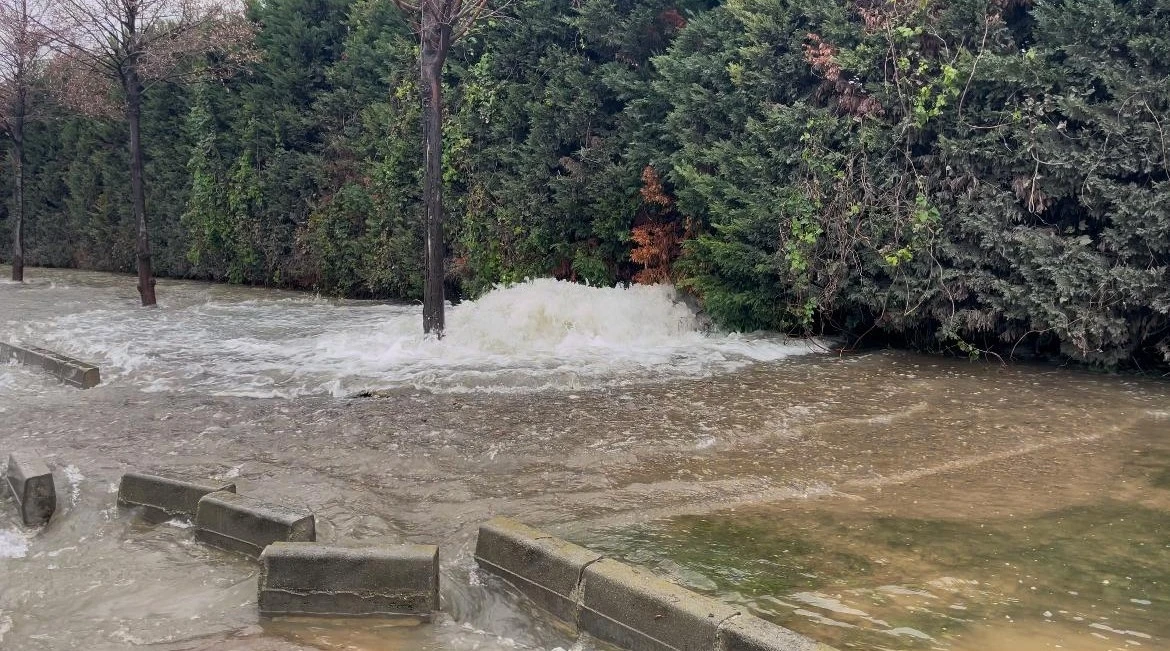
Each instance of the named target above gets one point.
<point>23,47</point>
<point>439,23</point>
<point>111,51</point>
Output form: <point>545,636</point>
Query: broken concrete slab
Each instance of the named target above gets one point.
<point>637,610</point>
<point>247,525</point>
<point>31,483</point>
<point>545,569</point>
<point>71,371</point>
<point>166,496</point>
<point>329,580</point>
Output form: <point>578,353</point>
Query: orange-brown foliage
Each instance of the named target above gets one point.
<point>673,18</point>
<point>850,96</point>
<point>822,57</point>
<point>659,245</point>
<point>653,191</point>
<point>658,238</point>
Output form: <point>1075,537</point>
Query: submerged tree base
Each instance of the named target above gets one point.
<point>933,175</point>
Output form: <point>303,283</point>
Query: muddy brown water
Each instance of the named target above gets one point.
<point>875,501</point>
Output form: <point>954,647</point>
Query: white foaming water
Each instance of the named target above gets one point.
<point>541,334</point>
<point>13,544</point>
<point>16,380</point>
<point>74,477</point>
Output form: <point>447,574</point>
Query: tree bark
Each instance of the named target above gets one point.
<point>133,85</point>
<point>436,40</point>
<point>18,189</point>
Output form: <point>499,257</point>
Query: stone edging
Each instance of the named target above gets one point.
<point>620,604</point>
<point>70,371</point>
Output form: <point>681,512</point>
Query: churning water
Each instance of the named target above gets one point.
<point>878,501</point>
<point>13,544</point>
<point>541,334</point>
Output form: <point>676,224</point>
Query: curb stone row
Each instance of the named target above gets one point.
<point>614,602</point>
<point>618,603</point>
<point>298,576</point>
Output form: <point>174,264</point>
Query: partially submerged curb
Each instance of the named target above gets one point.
<point>545,569</point>
<point>167,495</point>
<point>612,601</point>
<point>70,371</point>
<point>298,576</point>
<point>31,483</point>
<point>247,525</point>
<point>636,610</point>
<point>620,604</point>
<point>330,580</point>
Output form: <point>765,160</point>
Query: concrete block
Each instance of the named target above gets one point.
<point>622,605</point>
<point>636,610</point>
<point>545,569</point>
<point>31,483</point>
<point>247,525</point>
<point>327,580</point>
<point>67,369</point>
<point>166,495</point>
<point>750,633</point>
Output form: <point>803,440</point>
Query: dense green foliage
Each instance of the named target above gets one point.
<point>972,175</point>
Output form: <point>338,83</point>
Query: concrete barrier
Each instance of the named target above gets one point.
<point>31,483</point>
<point>166,496</point>
<point>749,633</point>
<point>619,604</point>
<point>636,610</point>
<point>326,580</point>
<point>545,569</point>
<point>247,525</point>
<point>67,369</point>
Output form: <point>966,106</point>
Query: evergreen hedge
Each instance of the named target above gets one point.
<point>979,176</point>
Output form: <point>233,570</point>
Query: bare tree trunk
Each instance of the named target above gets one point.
<point>133,87</point>
<point>19,109</point>
<point>436,40</point>
<point>18,192</point>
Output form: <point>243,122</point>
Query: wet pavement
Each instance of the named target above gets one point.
<point>873,501</point>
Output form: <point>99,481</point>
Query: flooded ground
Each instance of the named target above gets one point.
<point>877,501</point>
<point>1036,552</point>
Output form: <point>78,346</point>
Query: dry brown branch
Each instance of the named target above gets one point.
<point>153,40</point>
<point>23,48</point>
<point>23,52</point>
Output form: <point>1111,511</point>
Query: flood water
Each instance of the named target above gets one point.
<point>872,501</point>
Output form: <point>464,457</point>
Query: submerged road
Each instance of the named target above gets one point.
<point>884,432</point>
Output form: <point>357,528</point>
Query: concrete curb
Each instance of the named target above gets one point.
<point>165,495</point>
<point>636,610</point>
<point>750,633</point>
<point>543,568</point>
<point>67,369</point>
<point>31,483</point>
<point>619,604</point>
<point>327,580</point>
<point>247,525</point>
